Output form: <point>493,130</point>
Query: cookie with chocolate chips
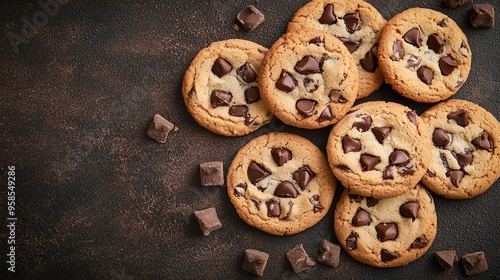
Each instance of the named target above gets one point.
<point>220,88</point>
<point>308,79</point>
<point>280,183</point>
<point>465,149</point>
<point>379,149</point>
<point>388,232</point>
<point>424,55</point>
<point>357,24</point>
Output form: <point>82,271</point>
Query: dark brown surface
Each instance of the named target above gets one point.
<point>98,199</point>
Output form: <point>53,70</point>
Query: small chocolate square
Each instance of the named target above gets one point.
<point>159,129</point>
<point>299,259</point>
<point>446,258</point>
<point>482,15</point>
<point>255,261</point>
<point>208,220</point>
<point>474,263</point>
<point>250,17</point>
<point>329,253</point>
<point>212,173</point>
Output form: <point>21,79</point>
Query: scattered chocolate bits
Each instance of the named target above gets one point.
<point>435,43</point>
<point>455,3</point>
<point>474,263</point>
<point>413,37</point>
<point>387,256</point>
<point>307,65</point>
<point>299,259</point>
<point>208,220</point>
<point>446,258</point>
<point>212,173</point>
<point>286,82</point>
<point>482,15</point>
<point>386,231</point>
<point>220,98</point>
<point>329,253</point>
<point>447,65</point>
<point>221,67</point>
<point>246,73</point>
<point>368,162</point>
<point>425,75</point>
<point>353,22</point>
<point>461,117</point>
<point>350,145</point>
<point>250,17</point>
<point>281,155</point>
<point>285,189</point>
<point>306,107</point>
<point>159,128</point>
<point>255,261</point>
<point>409,210</point>
<point>361,218</point>
<point>256,172</point>
<point>328,17</point>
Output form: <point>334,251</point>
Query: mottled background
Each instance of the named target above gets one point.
<point>98,199</point>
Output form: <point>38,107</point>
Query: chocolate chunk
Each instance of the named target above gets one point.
<point>364,124</point>
<point>409,170</point>
<point>460,116</point>
<point>397,51</point>
<point>446,258</point>
<point>444,22</point>
<point>256,203</point>
<point>455,3</point>
<point>285,189</point>
<point>221,67</point>
<point>306,107</point>
<point>315,201</point>
<point>311,85</point>
<point>482,15</point>
<point>220,98</point>
<point>399,158</point>
<point>435,43</point>
<point>250,17</point>
<point>430,173</point>
<point>317,41</point>
<point>447,65</point>
<point>240,189</point>
<point>212,173</point>
<point>252,95</point>
<point>299,259</point>
<point>256,172</point>
<point>368,162</point>
<point>386,231</point>
<point>303,176</point>
<point>440,138</point>
<point>455,176</point>
<point>342,99</point>
<point>474,263</point>
<point>370,201</point>
<point>322,60</point>
<point>255,261</point>
<point>326,115</point>
<point>208,220</point>
<point>238,111</point>
<point>370,62</point>
<point>412,36</point>
<point>483,141</point>
<point>160,128</point>
<point>355,197</point>
<point>444,160</point>
<point>351,45</point>
<point>463,159</point>
<point>286,82</point>
<point>246,73</point>
<point>409,210</point>
<point>352,241</point>
<point>328,17</point>
<point>307,65</point>
<point>425,75</point>
<point>387,256</point>
<point>413,62</point>
<point>273,208</point>
<point>352,22</point>
<point>281,155</point>
<point>290,208</point>
<point>350,145</point>
<point>381,133</point>
<point>361,218</point>
<point>412,117</point>
<point>329,253</point>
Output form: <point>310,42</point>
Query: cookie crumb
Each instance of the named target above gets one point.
<point>482,16</point>
<point>159,129</point>
<point>236,27</point>
<point>250,17</point>
<point>208,220</point>
<point>255,261</point>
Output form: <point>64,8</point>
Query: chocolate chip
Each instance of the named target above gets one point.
<point>281,155</point>
<point>311,85</point>
<point>315,202</point>
<point>342,99</point>
<point>430,173</point>
<point>386,231</point>
<point>387,256</point>
<point>455,176</point>
<point>413,62</point>
<point>350,144</point>
<point>364,124</point>
<point>474,263</point>
<point>240,189</point>
<point>444,160</point>
<point>455,3</point>
<point>412,36</point>
<point>322,60</point>
<point>255,261</point>
<point>299,259</point>
<point>256,203</point>
<point>250,17</point>
<point>370,62</point>
<point>370,201</point>
<point>425,75</point>
<point>221,67</point>
<point>482,15</point>
<point>440,138</point>
<point>355,198</point>
<point>252,95</point>
<point>326,115</point>
<point>160,128</point>
<point>447,65</point>
<point>412,117</point>
<point>307,65</point>
<point>409,210</point>
<point>446,258</point>
<point>286,82</point>
<point>328,17</point>
<point>351,45</point>
<point>290,208</point>
<point>238,111</point>
<point>381,133</point>
<point>285,189</point>
<point>306,107</point>
<point>399,158</point>
<point>419,242</point>
<point>303,176</point>
<point>256,172</point>
<point>317,41</point>
<point>397,51</point>
<point>463,159</point>
<point>409,170</point>
<point>220,98</point>
<point>435,43</point>
<point>329,253</point>
<point>387,174</point>
<point>483,141</point>
<point>461,117</point>
<point>208,220</point>
<point>352,22</point>
<point>273,208</point>
<point>212,173</point>
<point>444,22</point>
<point>361,218</point>
<point>431,199</point>
<point>246,73</point>
<point>368,162</point>
<point>352,241</point>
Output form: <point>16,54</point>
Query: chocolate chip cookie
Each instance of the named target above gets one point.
<point>465,149</point>
<point>389,232</point>
<point>379,149</point>
<point>424,55</point>
<point>357,24</point>
<point>221,91</point>
<point>280,183</point>
<point>308,79</point>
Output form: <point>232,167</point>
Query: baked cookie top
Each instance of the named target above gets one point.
<point>308,79</point>
<point>424,55</point>
<point>465,149</point>
<point>280,183</point>
<point>357,24</point>
<point>379,149</point>
<point>220,88</point>
<point>389,232</point>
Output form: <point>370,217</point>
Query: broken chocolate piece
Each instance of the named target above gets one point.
<point>212,173</point>
<point>315,201</point>
<point>482,15</point>
<point>387,173</point>
<point>386,231</point>
<point>273,208</point>
<point>160,128</point>
<point>413,62</point>
<point>474,263</point>
<point>460,116</point>
<point>352,22</point>
<point>447,65</point>
<point>252,95</point>
<point>328,17</point>
<point>352,241</point>
<point>455,176</point>
<point>238,111</point>
<point>281,155</point>
<point>329,253</point>
<point>397,51</point>
<point>306,107</point>
<point>412,37</point>
<point>370,201</point>
<point>299,259</point>
<point>246,73</point>
<point>220,98</point>
<point>350,145</point>
<point>208,220</point>
<point>435,43</point>
<point>387,256</point>
<point>440,138</point>
<point>285,189</point>
<point>446,258</point>
<point>425,75</point>
<point>255,261</point>
<point>361,218</point>
<point>455,3</point>
<point>221,67</point>
<point>307,65</point>
<point>303,176</point>
<point>381,133</point>
<point>256,172</point>
<point>368,162</point>
<point>412,116</point>
<point>483,141</point>
<point>370,62</point>
<point>250,17</point>
<point>286,82</point>
<point>399,158</point>
<point>409,210</point>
